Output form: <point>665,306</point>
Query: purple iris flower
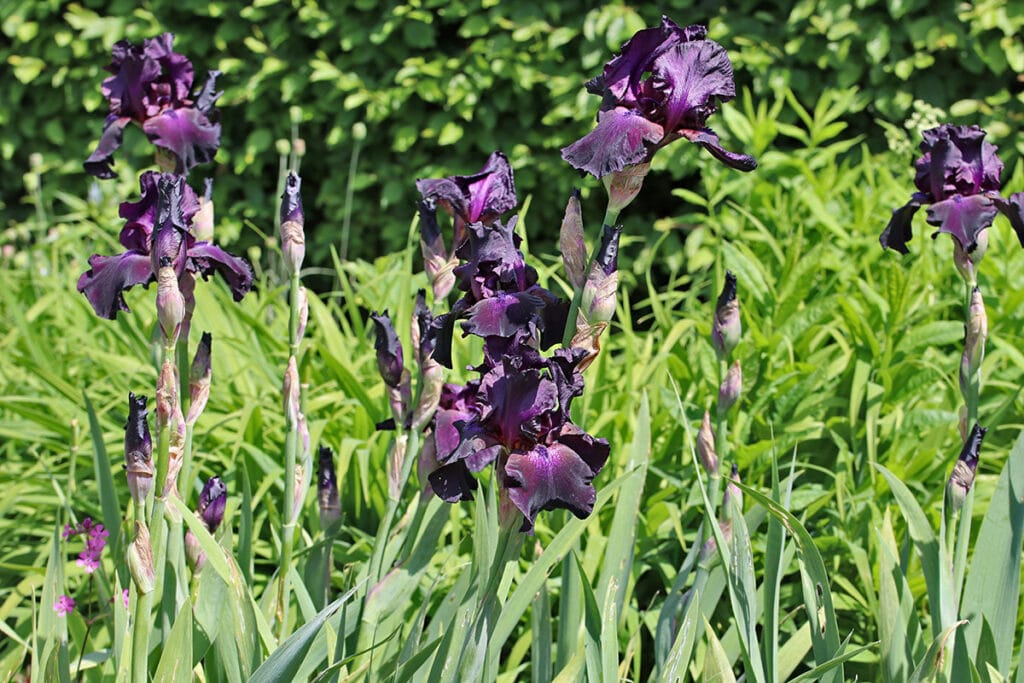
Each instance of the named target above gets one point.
<point>158,227</point>
<point>517,416</point>
<point>958,179</point>
<point>153,86</point>
<point>663,86</point>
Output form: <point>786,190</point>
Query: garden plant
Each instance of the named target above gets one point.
<point>740,441</point>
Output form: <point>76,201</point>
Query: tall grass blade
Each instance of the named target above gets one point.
<point>176,660</point>
<point>284,662</point>
<point>109,503</point>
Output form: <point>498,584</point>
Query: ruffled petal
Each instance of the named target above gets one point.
<point>207,258</point>
<point>692,78</point>
<point>503,315</point>
<point>1013,209</point>
<point>188,133</point>
<point>549,477</point>
<point>898,232</point>
<point>963,218</point>
<point>109,276</point>
<point>620,139</point>
<point>481,197</point>
<point>100,162</point>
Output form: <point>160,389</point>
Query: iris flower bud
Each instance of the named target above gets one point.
<point>598,302</point>
<point>706,446</point>
<point>166,395</point>
<point>732,492</point>
<point>571,244</point>
<point>726,329</point>
<point>437,263</point>
<point>199,379</point>
<point>967,261</point>
<point>293,236</point>
<point>623,186</point>
<point>327,489</point>
<point>389,350</point>
<point>138,451</point>
<point>212,500</point>
<point>170,303</point>
<point>962,478</point>
<point>730,388</point>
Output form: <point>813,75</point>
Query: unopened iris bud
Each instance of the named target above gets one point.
<point>327,489</point>
<point>726,329</point>
<point>730,388</point>
<point>598,302</point>
<point>138,451</point>
<point>293,236</point>
<point>290,392</point>
<point>390,362</point>
<point>212,500</point>
<point>962,478</point>
<point>202,222</point>
<point>170,304</point>
<point>140,560</point>
<point>623,186</point>
<point>976,332</point>
<point>571,244</point>
<point>437,263</point>
<point>706,446</point>
<point>200,376</point>
<point>967,261</point>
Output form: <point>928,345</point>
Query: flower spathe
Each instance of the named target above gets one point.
<point>152,85</point>
<point>663,86</point>
<point>958,180</point>
<point>158,226</point>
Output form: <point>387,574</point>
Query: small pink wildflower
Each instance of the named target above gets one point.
<point>124,596</point>
<point>95,541</point>
<point>64,605</point>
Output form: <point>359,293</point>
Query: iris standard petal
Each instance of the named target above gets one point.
<point>692,78</point>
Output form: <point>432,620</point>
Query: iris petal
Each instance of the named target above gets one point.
<point>208,258</point>
<point>619,140</point>
<point>109,276</point>
<point>188,133</point>
<point>963,217</point>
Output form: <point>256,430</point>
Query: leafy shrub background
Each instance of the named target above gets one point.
<point>439,84</point>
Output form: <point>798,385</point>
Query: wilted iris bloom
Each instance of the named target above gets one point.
<point>518,418</point>
<point>663,86</point>
<point>327,488</point>
<point>138,450</point>
<point>962,478</point>
<point>153,86</point>
<point>158,226</point>
<point>958,180</point>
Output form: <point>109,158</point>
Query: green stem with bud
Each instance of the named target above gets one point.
<point>610,218</point>
<point>291,450</point>
<point>959,545</point>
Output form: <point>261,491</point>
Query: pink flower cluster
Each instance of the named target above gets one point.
<point>64,605</point>
<point>95,541</point>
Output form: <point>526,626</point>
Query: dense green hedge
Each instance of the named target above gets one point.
<point>440,83</point>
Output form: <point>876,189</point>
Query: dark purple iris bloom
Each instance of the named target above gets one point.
<point>518,417</point>
<point>158,226</point>
<point>481,197</point>
<point>152,85</point>
<point>663,86</point>
<point>212,500</point>
<point>958,179</point>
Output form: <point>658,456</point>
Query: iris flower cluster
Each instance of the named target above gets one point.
<point>153,86</point>
<point>516,414</point>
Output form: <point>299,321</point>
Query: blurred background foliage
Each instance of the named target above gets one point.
<point>438,83</point>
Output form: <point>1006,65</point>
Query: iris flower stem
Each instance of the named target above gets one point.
<point>962,539</point>
<point>610,218</point>
<point>291,450</point>
<point>142,625</point>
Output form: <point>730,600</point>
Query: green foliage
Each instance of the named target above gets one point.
<point>438,85</point>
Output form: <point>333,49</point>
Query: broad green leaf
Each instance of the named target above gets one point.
<point>992,591</point>
<point>176,659</point>
<point>934,659</point>
<point>284,662</point>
